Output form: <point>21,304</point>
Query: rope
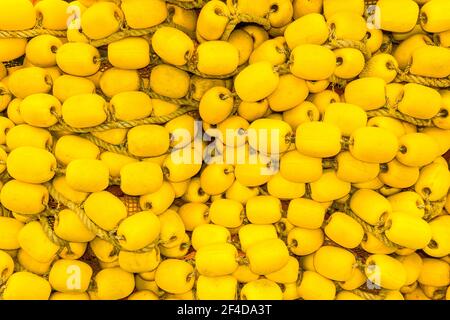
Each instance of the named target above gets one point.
<point>99,232</point>
<point>345,143</point>
<point>335,43</point>
<point>342,43</point>
<point>369,296</point>
<point>183,102</point>
<point>194,4</point>
<point>31,33</point>
<point>127,32</point>
<point>407,76</point>
<point>114,181</point>
<point>18,267</point>
<point>119,149</point>
<point>388,112</point>
<point>376,231</point>
<point>434,209</point>
<point>191,67</point>
<point>4,212</point>
<point>426,81</point>
<point>60,199</point>
<point>4,176</point>
<point>229,29</point>
<point>387,46</point>
<point>338,82</point>
<point>263,191</point>
<point>62,126</point>
<point>48,229</point>
<point>243,18</point>
<point>284,68</point>
<point>329,163</point>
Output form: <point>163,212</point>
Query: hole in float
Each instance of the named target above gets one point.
<point>241,131</point>
<point>426,191</point>
<point>148,205</point>
<point>423,18</point>
<point>117,16</point>
<point>403,149</point>
<point>294,243</point>
<point>4,273</point>
<point>333,26</point>
<point>390,65</point>
<point>433,244</point>
<point>48,80</point>
<point>365,238</point>
<point>420,204</point>
<point>274,8</point>
<point>218,11</point>
<point>443,113</point>
<point>171,11</point>
<point>388,224</point>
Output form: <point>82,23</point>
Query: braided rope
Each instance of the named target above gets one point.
<point>231,25</point>
<point>263,191</point>
<point>194,4</point>
<point>329,163</point>
<point>4,212</point>
<point>336,43</point>
<point>48,229</point>
<point>283,69</point>
<point>343,43</point>
<point>388,112</point>
<point>369,296</point>
<point>346,142</point>
<point>31,33</point>
<point>182,102</point>
<point>119,149</point>
<point>376,231</point>
<point>387,46</point>
<point>18,267</point>
<point>4,176</point>
<point>243,18</point>
<point>191,67</point>
<point>426,81</point>
<point>90,225</point>
<point>128,32</point>
<point>406,76</point>
<point>62,126</point>
<point>339,82</point>
<point>434,209</point>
